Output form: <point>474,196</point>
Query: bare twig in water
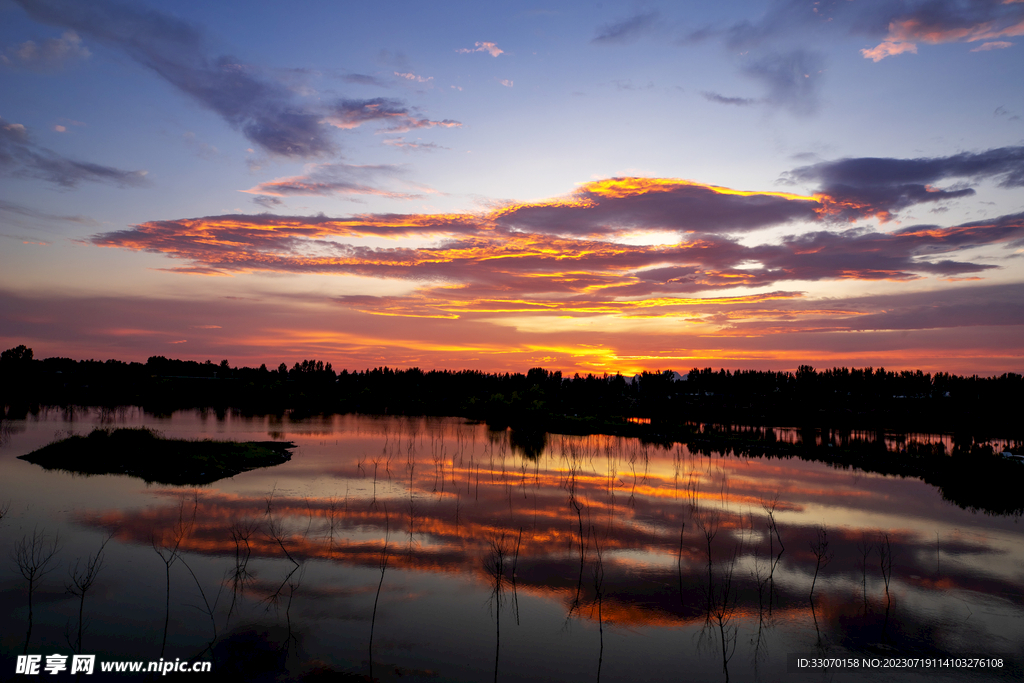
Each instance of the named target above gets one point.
<point>241,531</point>
<point>383,568</point>
<point>885,562</point>
<point>864,548</point>
<point>679,561</point>
<point>34,555</point>
<point>276,534</point>
<point>309,515</point>
<point>169,552</point>
<point>332,522</point>
<point>575,505</point>
<point>769,507</point>
<point>721,605</point>
<point>722,611</point>
<point>822,555</point>
<point>764,619</point>
<point>496,568</point>
<point>598,585</point>
<point>270,500</point>
<point>515,563</point>
<point>83,576</point>
<point>208,609</point>
<point>708,523</point>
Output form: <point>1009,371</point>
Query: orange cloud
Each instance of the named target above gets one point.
<point>555,282</point>
<point>561,256</point>
<point>904,34</point>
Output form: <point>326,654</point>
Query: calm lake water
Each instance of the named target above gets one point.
<point>436,550</point>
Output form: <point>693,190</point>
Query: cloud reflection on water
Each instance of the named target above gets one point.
<point>446,491</point>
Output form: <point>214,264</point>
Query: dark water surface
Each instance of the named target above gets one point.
<point>435,550</point>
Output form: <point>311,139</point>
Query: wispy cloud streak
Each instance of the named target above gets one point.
<point>627,29</point>
<point>265,110</point>
<point>179,53</point>
<point>722,99</point>
<point>20,157</point>
<point>396,117</point>
<point>334,179</point>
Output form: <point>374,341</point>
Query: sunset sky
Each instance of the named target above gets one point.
<point>588,187</point>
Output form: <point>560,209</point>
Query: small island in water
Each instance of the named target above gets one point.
<point>146,454</point>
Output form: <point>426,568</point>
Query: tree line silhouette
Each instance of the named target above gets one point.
<point>837,398</point>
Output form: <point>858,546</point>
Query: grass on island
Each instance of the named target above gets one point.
<point>146,454</point>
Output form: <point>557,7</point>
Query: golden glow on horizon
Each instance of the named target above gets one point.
<point>709,310</point>
<point>589,358</point>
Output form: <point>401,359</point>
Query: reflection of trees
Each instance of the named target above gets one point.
<point>530,443</point>
<point>9,429</point>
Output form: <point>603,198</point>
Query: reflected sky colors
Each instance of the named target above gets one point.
<point>593,189</point>
<point>596,550</point>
